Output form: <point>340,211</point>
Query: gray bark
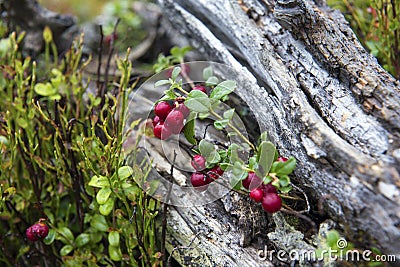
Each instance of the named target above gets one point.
<point>321,97</point>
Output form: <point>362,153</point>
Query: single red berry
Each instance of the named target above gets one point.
<point>198,162</point>
<point>271,202</point>
<point>156,120</point>
<point>162,109</point>
<point>108,38</point>
<point>215,172</point>
<point>161,132</point>
<point>257,195</point>
<point>182,108</point>
<point>252,181</point>
<point>268,188</point>
<point>282,159</point>
<point>30,234</point>
<point>200,88</point>
<point>199,181</point>
<point>174,121</point>
<point>37,231</point>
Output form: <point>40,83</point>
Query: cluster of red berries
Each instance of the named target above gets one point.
<point>37,231</point>
<point>264,193</point>
<point>169,118</point>
<point>203,176</point>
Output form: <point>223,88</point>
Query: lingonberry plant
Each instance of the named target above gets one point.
<point>262,175</point>
<point>62,160</point>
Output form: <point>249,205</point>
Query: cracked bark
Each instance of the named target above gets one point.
<point>321,97</point>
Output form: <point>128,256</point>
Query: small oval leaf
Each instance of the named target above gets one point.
<point>115,253</point>
<point>99,223</point>
<point>125,172</point>
<point>103,195</point>
<point>65,250</point>
<point>113,238</point>
<point>50,237</point>
<point>65,235</point>
<point>82,240</point>
<point>99,181</point>
<point>107,207</point>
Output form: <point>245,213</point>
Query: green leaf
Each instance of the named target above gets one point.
<point>103,195</point>
<point>238,174</point>
<point>45,89</point>
<point>113,238</point>
<point>221,124</point>
<point>65,250</point>
<point>65,235</point>
<point>207,72</point>
<point>22,122</point>
<point>266,153</point>
<point>179,53</point>
<point>212,81</point>
<point>189,128</point>
<point>222,89</point>
<point>124,172</point>
<point>169,95</point>
<point>107,207</point>
<point>50,237</point>
<point>99,181</point>
<point>285,189</point>
<point>115,253</point>
<point>285,168</point>
<point>196,94</point>
<point>161,83</point>
<point>82,239</point>
<point>229,113</point>
<point>206,148</point>
<point>99,223</point>
<point>175,73</point>
<point>284,181</point>
<point>198,101</point>
<point>203,115</point>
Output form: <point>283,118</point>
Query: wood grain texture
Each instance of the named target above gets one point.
<point>321,97</point>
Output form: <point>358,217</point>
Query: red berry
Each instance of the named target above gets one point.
<point>257,195</point>
<point>184,109</point>
<point>30,234</point>
<point>199,181</point>
<point>112,36</point>
<point>215,172</point>
<point>161,132</point>
<point>271,202</point>
<point>162,109</point>
<point>174,121</point>
<point>252,181</point>
<point>156,120</point>
<point>282,159</point>
<point>200,88</point>
<point>268,188</point>
<point>37,231</point>
<point>198,162</point>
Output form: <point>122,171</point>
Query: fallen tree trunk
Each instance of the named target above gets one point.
<point>320,96</point>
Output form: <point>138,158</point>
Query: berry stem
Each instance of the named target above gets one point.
<point>236,130</point>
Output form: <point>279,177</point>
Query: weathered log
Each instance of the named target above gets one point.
<point>321,97</point>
